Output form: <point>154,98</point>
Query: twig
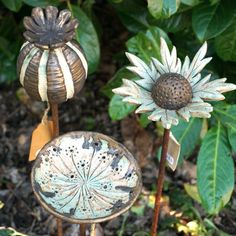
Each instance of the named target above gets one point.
<point>160,181</point>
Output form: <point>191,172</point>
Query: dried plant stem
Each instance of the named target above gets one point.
<point>55,120</point>
<point>160,181</point>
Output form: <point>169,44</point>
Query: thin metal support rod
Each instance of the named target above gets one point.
<point>160,181</point>
<point>82,230</point>
<point>55,120</point>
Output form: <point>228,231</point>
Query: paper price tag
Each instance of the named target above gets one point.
<point>173,152</point>
<point>40,136</point>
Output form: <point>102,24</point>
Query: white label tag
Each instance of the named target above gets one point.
<point>173,152</point>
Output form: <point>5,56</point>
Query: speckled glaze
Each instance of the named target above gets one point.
<point>85,177</point>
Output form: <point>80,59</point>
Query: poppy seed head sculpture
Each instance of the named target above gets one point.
<point>85,177</point>
<point>51,65</point>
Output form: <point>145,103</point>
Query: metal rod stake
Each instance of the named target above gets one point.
<point>160,181</point>
<point>55,120</point>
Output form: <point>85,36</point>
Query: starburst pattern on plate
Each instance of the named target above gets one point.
<point>85,176</point>
<point>168,89</point>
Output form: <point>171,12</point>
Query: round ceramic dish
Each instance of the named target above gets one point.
<point>85,177</point>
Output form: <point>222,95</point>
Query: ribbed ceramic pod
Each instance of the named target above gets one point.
<point>51,65</point>
<point>85,177</point>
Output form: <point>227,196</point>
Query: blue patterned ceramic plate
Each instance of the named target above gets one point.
<point>85,177</point>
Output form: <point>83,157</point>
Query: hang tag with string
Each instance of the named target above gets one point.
<point>41,135</point>
<point>173,152</point>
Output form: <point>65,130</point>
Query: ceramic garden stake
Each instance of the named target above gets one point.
<point>170,90</point>
<point>51,65</point>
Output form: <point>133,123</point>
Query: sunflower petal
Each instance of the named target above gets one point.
<point>201,109</point>
<point>145,84</point>
<point>197,63</point>
<point>185,67</point>
<point>184,113</point>
<point>133,93</point>
<point>165,53</point>
<point>146,108</point>
<point>170,118</point>
<point>140,68</point>
<point>159,67</point>
<point>212,90</point>
<point>157,114</point>
<point>195,79</point>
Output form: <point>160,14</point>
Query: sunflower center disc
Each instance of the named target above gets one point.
<point>172,91</point>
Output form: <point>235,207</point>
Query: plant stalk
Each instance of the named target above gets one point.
<point>55,120</point>
<point>160,181</point>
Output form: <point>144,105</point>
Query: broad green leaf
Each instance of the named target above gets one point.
<point>163,8</point>
<point>192,191</point>
<point>147,44</point>
<point>116,81</point>
<point>13,5</point>
<point>133,14</point>
<point>211,20</point>
<point>41,3</point>
<point>227,116</point>
<point>87,36</point>
<point>225,44</point>
<point>119,109</point>
<point>190,2</point>
<point>155,8</point>
<point>175,23</point>
<point>138,210</point>
<point>215,170</point>
<point>188,135</point>
<point>232,136</point>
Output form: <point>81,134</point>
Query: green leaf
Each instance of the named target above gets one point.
<point>190,2</point>
<point>188,135</point>
<point>116,81</point>
<point>175,23</point>
<point>211,20</point>
<point>119,109</point>
<point>192,191</point>
<point>232,136</point>
<point>143,120</point>
<point>87,36</point>
<point>227,116</point>
<point>155,8</point>
<point>133,14</point>
<point>225,44</point>
<point>13,5</point>
<point>147,44</point>
<point>215,170</point>
<point>41,3</point>
<point>163,8</point>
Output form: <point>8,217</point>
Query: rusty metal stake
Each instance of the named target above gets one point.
<point>82,230</point>
<point>55,120</point>
<point>160,181</point>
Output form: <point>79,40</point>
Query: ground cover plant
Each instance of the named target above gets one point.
<point>108,29</point>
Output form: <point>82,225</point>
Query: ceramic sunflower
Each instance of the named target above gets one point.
<point>169,89</point>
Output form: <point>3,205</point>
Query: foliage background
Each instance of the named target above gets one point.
<point>183,23</point>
